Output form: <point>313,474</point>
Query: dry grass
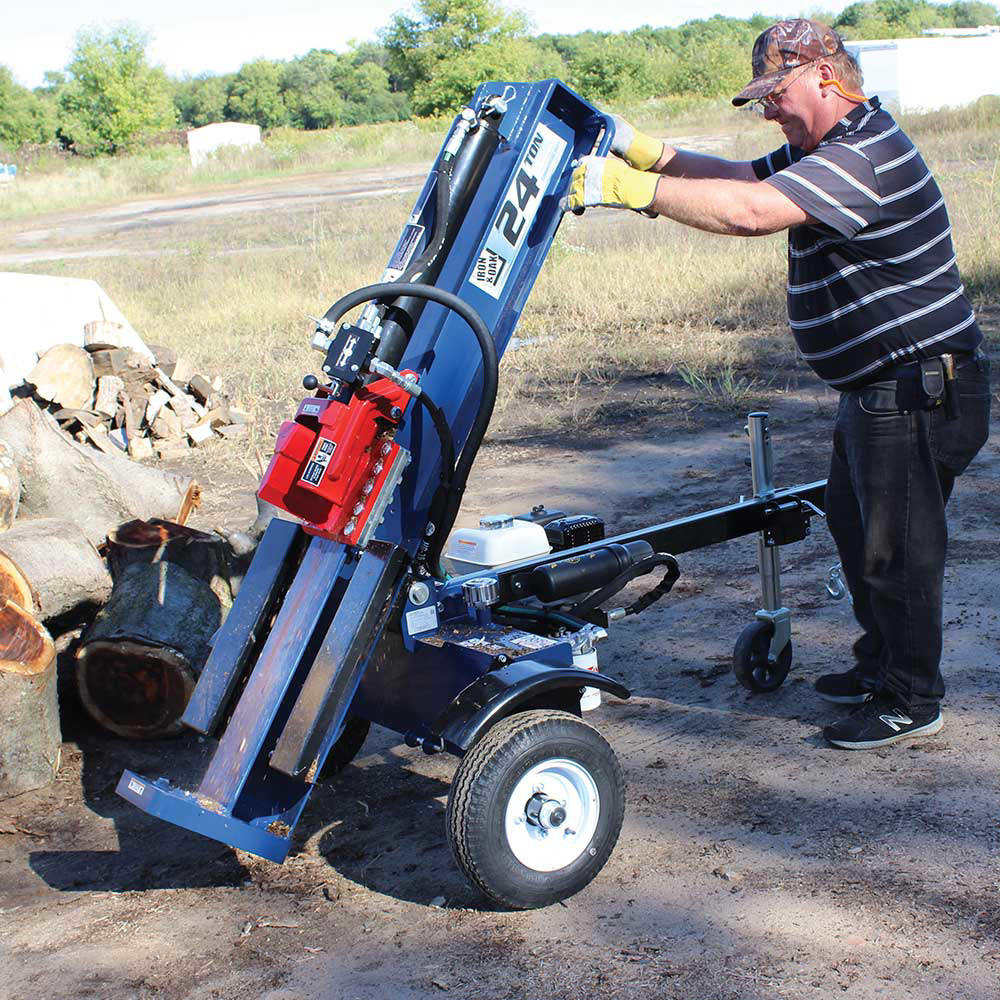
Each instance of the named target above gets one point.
<point>55,184</point>
<point>618,295</point>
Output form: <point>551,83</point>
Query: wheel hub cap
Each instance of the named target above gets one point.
<point>552,814</point>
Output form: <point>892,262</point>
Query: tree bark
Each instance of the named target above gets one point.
<point>29,712</point>
<point>10,486</point>
<point>138,663</point>
<point>64,479</point>
<point>56,564</point>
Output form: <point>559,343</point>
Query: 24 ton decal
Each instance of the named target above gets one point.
<point>517,211</point>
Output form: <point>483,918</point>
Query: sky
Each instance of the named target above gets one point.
<point>218,36</point>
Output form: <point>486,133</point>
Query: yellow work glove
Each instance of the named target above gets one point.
<point>638,150</point>
<point>599,180</point>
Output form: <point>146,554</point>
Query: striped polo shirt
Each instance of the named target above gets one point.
<point>874,282</point>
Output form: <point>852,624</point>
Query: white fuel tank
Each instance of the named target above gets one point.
<point>498,541</point>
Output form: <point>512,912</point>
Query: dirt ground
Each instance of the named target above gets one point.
<point>755,861</point>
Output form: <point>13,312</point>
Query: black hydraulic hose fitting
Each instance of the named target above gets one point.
<point>563,578</point>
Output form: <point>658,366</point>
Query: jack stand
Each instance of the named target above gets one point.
<point>762,477</point>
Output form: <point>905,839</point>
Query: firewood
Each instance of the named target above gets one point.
<point>200,388</point>
<point>102,334</point>
<point>200,433</point>
<point>233,432</point>
<point>98,437</point>
<point>109,362</point>
<point>166,358</point>
<point>190,503</point>
<point>183,371</point>
<point>64,375</point>
<point>138,663</point>
<point>154,404</point>
<point>108,388</point>
<point>95,491</point>
<point>10,487</point>
<point>50,568</point>
<point>140,447</point>
<point>118,438</point>
<point>166,425</point>
<point>29,712</point>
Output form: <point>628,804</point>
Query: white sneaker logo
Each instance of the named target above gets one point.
<point>896,721</point>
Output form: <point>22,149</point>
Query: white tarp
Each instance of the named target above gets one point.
<point>925,74</point>
<point>38,311</point>
<point>204,141</point>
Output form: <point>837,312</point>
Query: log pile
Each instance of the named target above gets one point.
<point>94,547</point>
<point>115,399</point>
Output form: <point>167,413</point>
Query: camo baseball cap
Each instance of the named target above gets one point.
<point>783,47</point>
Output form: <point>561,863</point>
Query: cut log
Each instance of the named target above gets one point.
<point>64,375</point>
<point>102,334</point>
<point>204,555</point>
<point>96,491</point>
<point>10,487</point>
<point>56,564</point>
<point>166,358</point>
<point>138,663</point>
<point>29,712</point>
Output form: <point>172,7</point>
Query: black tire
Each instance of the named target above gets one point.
<point>349,743</point>
<point>481,802</point>
<point>753,664</point>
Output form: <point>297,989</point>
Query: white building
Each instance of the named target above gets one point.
<point>204,141</point>
<point>946,68</point>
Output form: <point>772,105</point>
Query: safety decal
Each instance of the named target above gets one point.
<point>421,620</point>
<point>136,786</point>
<point>517,211</point>
<point>404,251</point>
<point>528,640</point>
<point>321,456</point>
<point>311,409</point>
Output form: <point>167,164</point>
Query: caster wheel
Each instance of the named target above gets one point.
<point>535,809</point>
<point>753,664</point>
<point>349,743</point>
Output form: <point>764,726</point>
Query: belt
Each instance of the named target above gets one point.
<point>962,359</point>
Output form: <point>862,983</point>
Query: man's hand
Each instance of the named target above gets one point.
<point>638,150</point>
<point>599,180</point>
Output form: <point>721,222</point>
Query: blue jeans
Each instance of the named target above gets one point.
<point>890,477</point>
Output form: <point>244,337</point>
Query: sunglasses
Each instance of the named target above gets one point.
<point>774,98</point>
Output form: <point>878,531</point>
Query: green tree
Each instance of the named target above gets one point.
<point>256,95</point>
<point>202,100</point>
<point>620,67</point>
<point>24,117</point>
<point>113,97</point>
<point>453,45</point>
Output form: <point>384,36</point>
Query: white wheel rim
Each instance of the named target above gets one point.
<point>559,784</point>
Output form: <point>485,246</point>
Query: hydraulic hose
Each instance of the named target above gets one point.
<point>444,506</point>
<point>426,261</point>
<point>641,568</point>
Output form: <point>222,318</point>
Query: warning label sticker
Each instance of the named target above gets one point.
<point>321,456</point>
<point>403,254</point>
<point>517,211</point>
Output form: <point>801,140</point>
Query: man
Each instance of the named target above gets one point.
<point>878,310</point>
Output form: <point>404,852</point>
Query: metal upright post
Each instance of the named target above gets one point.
<point>762,477</point>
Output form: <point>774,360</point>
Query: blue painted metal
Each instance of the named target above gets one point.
<point>499,693</point>
<point>260,593</point>
<point>339,622</point>
<point>442,348</point>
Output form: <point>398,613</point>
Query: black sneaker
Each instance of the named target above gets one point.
<point>848,688</point>
<point>881,721</point>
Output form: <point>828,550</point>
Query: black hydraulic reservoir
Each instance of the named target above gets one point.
<point>565,577</point>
